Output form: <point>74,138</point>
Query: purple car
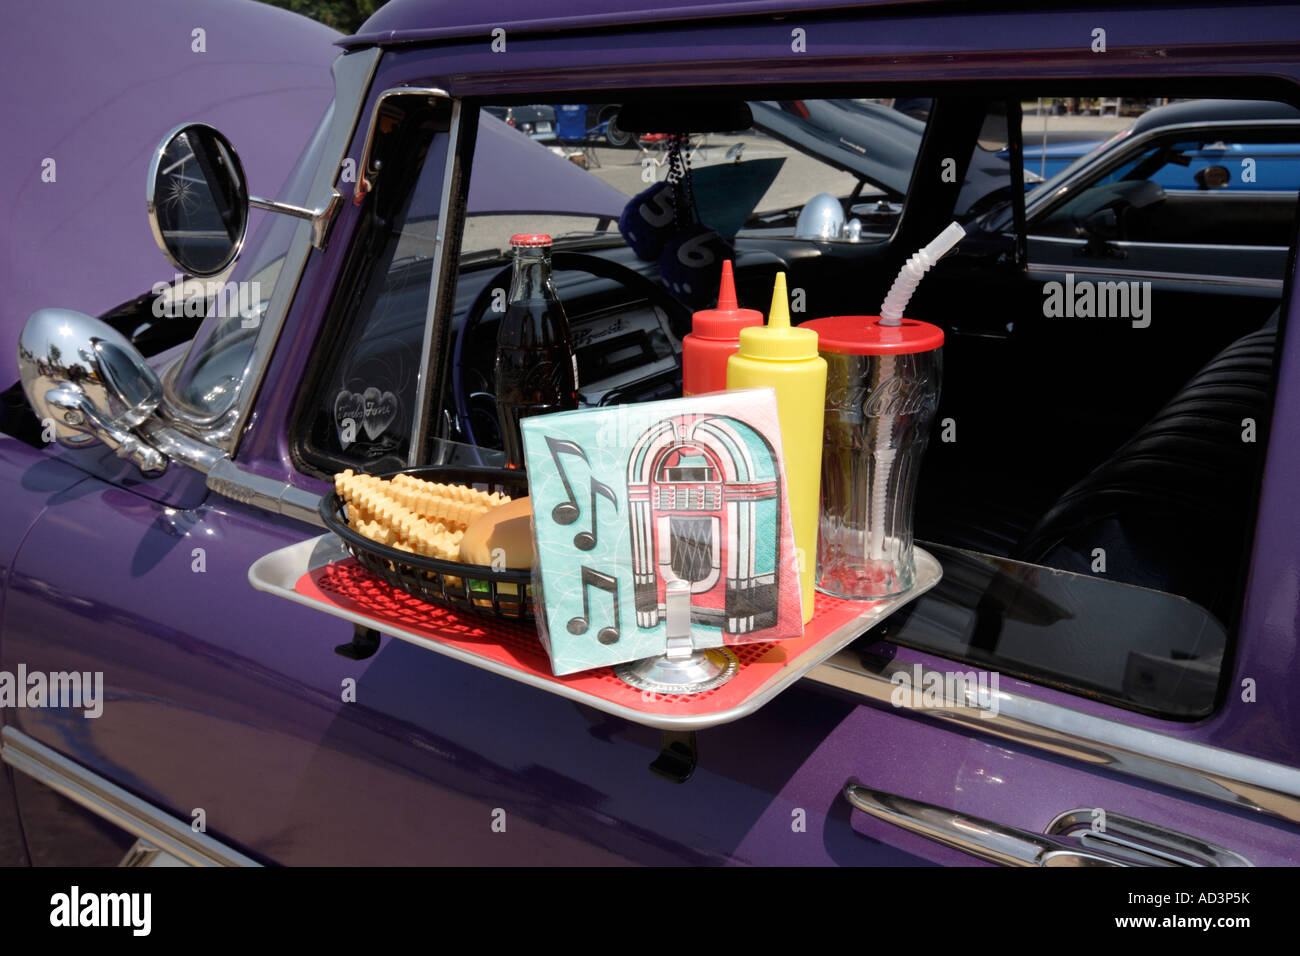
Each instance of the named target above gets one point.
<point>1101,677</point>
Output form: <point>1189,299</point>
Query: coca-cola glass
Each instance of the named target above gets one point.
<point>882,388</point>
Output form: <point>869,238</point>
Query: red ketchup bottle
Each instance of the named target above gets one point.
<point>714,338</point>
<point>536,368</point>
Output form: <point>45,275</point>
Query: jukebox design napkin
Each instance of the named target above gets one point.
<point>630,497</point>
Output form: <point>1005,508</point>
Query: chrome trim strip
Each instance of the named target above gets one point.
<point>1248,782</point>
<point>423,407</point>
<point>1235,195</point>
<point>1248,282</point>
<point>144,854</point>
<point>257,491</point>
<point>113,804</point>
<point>1133,243</point>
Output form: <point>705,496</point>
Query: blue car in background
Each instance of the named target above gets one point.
<point>1273,166</point>
<point>1194,192</point>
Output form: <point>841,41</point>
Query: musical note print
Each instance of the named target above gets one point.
<point>586,540</point>
<point>604,582</point>
<point>566,512</point>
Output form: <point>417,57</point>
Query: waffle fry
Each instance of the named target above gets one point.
<point>413,515</point>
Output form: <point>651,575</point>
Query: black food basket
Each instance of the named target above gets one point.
<point>470,587</point>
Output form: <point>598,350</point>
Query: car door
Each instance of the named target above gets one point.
<point>238,727</point>
<point>1124,719</point>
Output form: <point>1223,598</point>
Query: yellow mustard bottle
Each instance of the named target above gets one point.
<point>785,359</point>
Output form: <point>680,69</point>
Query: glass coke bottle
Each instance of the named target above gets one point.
<point>536,368</point>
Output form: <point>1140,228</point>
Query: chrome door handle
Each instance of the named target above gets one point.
<point>1009,846</point>
<point>1069,840</point>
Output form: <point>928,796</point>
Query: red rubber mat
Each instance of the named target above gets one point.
<point>348,586</point>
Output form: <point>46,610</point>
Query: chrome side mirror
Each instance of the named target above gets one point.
<point>90,382</point>
<point>198,202</point>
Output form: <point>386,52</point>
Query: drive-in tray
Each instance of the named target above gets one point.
<point>319,573</point>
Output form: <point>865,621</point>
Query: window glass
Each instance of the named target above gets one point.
<point>1130,646</point>
<point>363,402</point>
<point>746,181</point>
<point>1224,183</point>
<point>814,175</point>
<point>1238,191</point>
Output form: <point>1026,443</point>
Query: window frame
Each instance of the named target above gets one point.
<point>357,272</point>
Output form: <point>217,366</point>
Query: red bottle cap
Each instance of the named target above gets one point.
<point>530,239</point>
<point>726,321</point>
<point>864,335</point>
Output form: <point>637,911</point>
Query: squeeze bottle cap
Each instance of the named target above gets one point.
<point>726,321</point>
<point>777,341</point>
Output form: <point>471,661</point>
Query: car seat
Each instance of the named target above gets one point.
<point>1173,507</point>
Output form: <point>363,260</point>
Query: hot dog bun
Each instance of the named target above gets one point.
<point>507,527</point>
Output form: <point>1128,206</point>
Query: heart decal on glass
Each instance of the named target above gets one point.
<point>373,411</point>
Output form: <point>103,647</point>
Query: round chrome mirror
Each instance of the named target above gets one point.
<point>197,200</point>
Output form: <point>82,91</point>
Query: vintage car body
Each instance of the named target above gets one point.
<point>223,703</point>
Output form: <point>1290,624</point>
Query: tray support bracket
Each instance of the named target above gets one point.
<point>678,756</point>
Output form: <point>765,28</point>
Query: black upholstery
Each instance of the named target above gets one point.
<point>1173,507</point>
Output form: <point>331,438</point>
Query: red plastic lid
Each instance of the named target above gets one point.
<point>864,335</point>
<point>531,239</point>
<point>726,321</point>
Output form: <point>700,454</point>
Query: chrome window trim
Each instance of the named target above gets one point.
<point>1199,279</point>
<point>1197,195</point>
<point>366,175</point>
<point>114,805</point>
<point>353,73</point>
<point>1041,204</point>
<point>144,854</point>
<point>420,421</point>
<point>1251,783</point>
<point>1126,243</point>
